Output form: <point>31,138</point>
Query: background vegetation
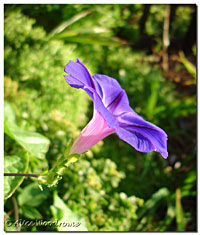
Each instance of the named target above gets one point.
<point>151,51</point>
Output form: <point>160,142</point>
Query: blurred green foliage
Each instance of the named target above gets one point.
<point>112,187</point>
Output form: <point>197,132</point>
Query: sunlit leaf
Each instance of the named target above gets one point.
<point>67,23</point>
<point>92,39</point>
<point>14,164</point>
<point>31,141</point>
<point>189,66</point>
<point>9,113</point>
<point>32,196</point>
<point>179,212</point>
<point>64,215</point>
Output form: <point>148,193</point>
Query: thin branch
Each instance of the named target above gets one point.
<point>166,39</point>
<point>21,174</point>
<point>16,212</point>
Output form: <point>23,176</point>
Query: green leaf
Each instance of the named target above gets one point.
<point>86,31</point>
<point>67,23</point>
<point>179,212</point>
<point>32,196</point>
<point>92,39</point>
<point>70,220</point>
<point>30,212</point>
<point>189,66</point>
<point>153,98</point>
<point>9,113</point>
<point>14,164</point>
<point>91,35</point>
<point>31,141</point>
<point>188,186</point>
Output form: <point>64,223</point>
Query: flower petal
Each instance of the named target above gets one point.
<point>113,96</point>
<point>149,136</point>
<point>107,88</point>
<point>135,139</point>
<point>96,130</point>
<point>79,75</point>
<point>80,78</point>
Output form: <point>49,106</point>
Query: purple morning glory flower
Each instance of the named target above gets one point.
<point>112,114</point>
